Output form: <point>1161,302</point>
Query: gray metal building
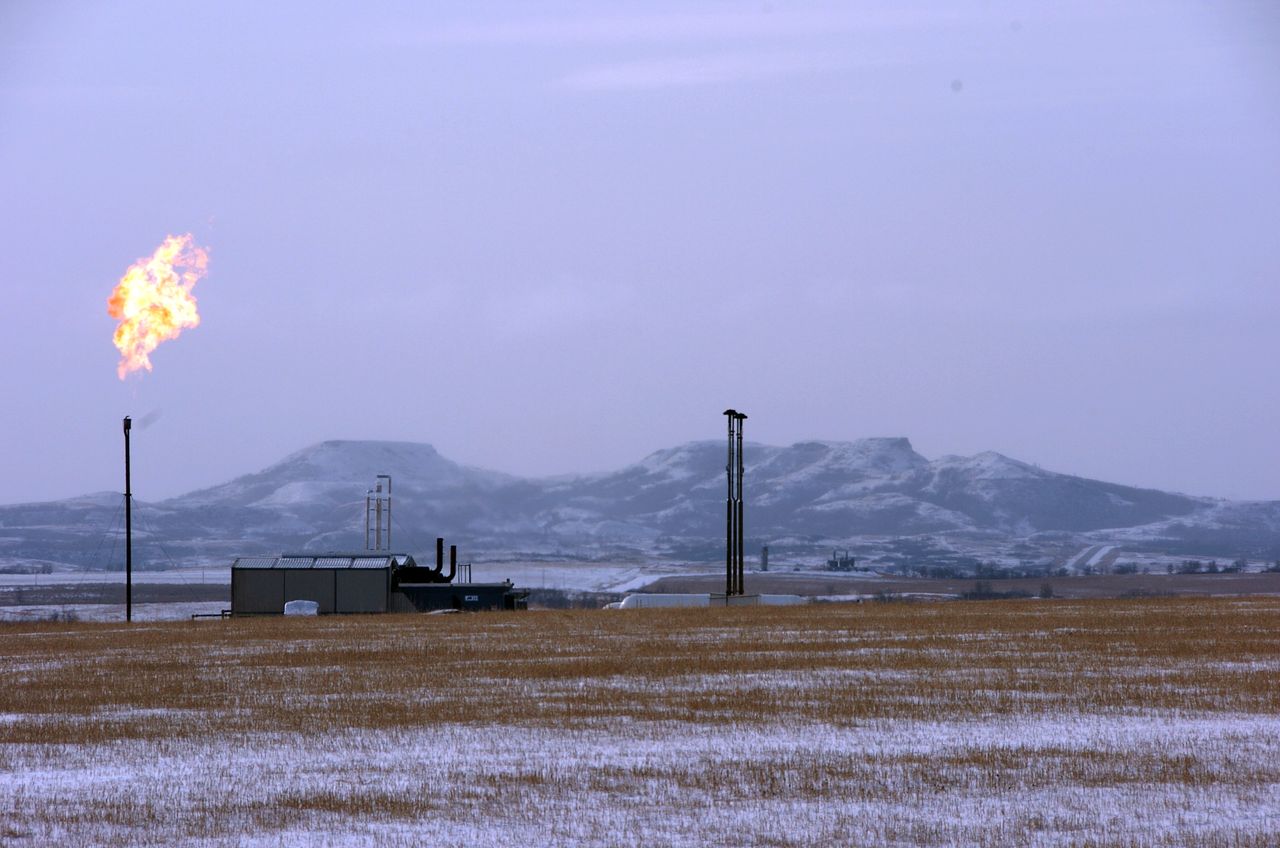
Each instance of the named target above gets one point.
<point>337,582</point>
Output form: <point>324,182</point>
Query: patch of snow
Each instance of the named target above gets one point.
<point>988,465</point>
<point>303,492</point>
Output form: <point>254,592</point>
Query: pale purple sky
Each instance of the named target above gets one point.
<point>550,238</point>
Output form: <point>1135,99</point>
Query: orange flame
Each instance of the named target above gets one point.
<point>153,301</point>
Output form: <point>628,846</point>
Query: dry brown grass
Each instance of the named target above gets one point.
<point>74,691</point>
<point>99,682</point>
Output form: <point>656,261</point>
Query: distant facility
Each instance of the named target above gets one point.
<point>363,582</point>
<point>372,580</point>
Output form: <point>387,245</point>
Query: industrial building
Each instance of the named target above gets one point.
<point>362,582</point>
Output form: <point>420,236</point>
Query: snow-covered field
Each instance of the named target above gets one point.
<point>1111,723</point>
<point>889,783</point>
<point>76,584</point>
<point>109,612</point>
<point>212,575</point>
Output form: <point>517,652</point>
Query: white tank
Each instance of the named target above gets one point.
<point>301,608</point>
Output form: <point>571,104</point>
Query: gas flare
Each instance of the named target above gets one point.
<point>153,300</point>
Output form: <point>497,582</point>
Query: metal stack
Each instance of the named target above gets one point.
<point>733,556</point>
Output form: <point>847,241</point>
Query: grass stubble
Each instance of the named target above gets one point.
<point>1149,722</point>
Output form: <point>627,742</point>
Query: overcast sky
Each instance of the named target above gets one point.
<point>550,238</point>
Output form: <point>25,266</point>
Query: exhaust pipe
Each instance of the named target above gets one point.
<point>453,563</point>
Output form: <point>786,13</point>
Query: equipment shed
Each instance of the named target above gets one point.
<point>339,583</point>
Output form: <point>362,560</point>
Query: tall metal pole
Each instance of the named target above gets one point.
<point>128,528</point>
<point>741,416</point>
<point>730,512</point>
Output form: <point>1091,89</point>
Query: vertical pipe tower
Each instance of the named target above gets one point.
<point>375,539</point>
<point>734,540</point>
<point>730,532</point>
<point>740,547</point>
<point>368,507</point>
<point>387,477</point>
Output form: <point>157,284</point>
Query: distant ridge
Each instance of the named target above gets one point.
<point>803,498</point>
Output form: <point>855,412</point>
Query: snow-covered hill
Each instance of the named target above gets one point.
<point>809,495</point>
